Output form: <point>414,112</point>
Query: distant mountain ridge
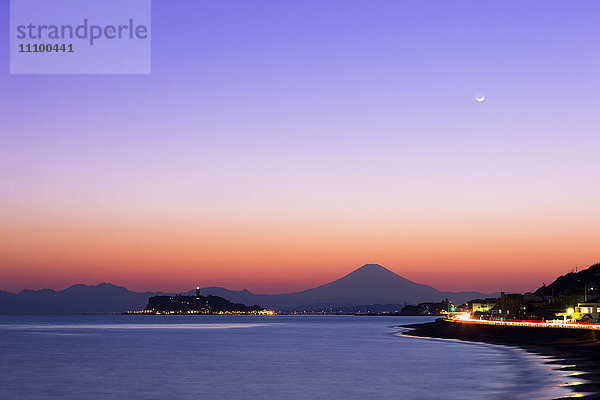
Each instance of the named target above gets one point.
<point>367,285</point>
<point>104,298</point>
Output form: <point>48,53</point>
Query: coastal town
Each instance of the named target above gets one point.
<point>571,301</point>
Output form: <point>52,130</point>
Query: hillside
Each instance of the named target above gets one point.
<point>586,281</point>
<point>198,304</point>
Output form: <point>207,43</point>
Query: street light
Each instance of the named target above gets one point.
<point>585,289</point>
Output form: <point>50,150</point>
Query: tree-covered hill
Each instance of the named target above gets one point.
<point>579,283</point>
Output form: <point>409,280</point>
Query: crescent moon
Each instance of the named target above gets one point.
<point>480,99</point>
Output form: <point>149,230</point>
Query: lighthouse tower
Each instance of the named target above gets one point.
<point>198,292</point>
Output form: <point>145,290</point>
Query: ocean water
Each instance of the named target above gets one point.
<point>250,357</point>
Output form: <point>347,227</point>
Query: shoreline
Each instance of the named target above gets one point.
<point>578,350</point>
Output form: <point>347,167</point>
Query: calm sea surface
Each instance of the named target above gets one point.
<point>245,357</point>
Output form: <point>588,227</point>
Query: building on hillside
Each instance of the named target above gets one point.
<point>480,305</point>
<point>532,298</point>
<point>587,312</point>
<point>510,304</point>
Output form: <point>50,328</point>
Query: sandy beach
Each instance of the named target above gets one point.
<point>574,348</point>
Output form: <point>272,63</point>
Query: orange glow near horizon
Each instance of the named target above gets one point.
<point>277,257</point>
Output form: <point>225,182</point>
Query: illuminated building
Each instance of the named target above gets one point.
<point>588,312</point>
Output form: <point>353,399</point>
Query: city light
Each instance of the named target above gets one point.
<point>462,316</point>
<point>466,318</point>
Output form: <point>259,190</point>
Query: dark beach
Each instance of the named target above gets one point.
<point>578,349</point>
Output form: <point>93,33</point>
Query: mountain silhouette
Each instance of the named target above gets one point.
<point>369,284</point>
<point>77,299</point>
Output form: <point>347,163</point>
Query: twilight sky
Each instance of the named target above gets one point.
<point>279,145</point>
